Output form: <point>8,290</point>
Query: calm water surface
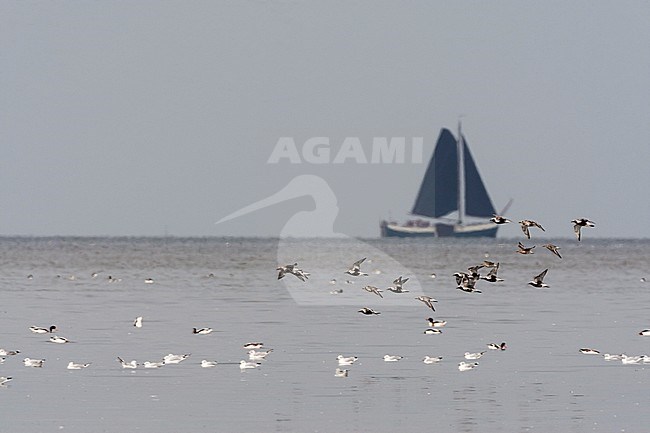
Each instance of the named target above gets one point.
<point>541,383</point>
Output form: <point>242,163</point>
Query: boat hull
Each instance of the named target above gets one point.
<point>440,230</point>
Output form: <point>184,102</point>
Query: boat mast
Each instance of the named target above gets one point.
<point>461,176</point>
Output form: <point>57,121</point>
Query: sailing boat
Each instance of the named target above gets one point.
<point>451,184</point>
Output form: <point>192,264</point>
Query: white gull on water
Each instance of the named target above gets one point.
<point>175,359</point>
<point>258,355</point>
<point>346,360</point>
<point>77,366</point>
<point>466,366</point>
<point>245,365</point>
<point>29,362</point>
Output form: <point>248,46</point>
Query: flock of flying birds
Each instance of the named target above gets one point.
<point>466,282</point>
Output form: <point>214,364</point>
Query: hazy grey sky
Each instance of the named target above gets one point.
<point>146,117</point>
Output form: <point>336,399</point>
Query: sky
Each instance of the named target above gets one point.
<point>154,118</point>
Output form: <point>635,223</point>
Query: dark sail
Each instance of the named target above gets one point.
<point>439,190</point>
<point>477,200</point>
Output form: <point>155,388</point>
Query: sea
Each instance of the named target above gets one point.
<point>92,289</point>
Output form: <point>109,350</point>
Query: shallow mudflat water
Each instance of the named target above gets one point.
<point>541,383</point>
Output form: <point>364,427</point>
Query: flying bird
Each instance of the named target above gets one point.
<point>428,301</point>
<point>468,285</point>
<point>293,270</point>
<point>526,224</point>
<point>538,281</point>
<point>398,287</point>
<point>473,271</point>
<point>373,289</point>
<point>498,219</point>
<point>491,277</point>
<point>553,248</point>
<point>461,276</point>
<point>524,249</point>
<point>286,269</point>
<point>355,269</point>
<point>579,223</point>
<point>300,274</point>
